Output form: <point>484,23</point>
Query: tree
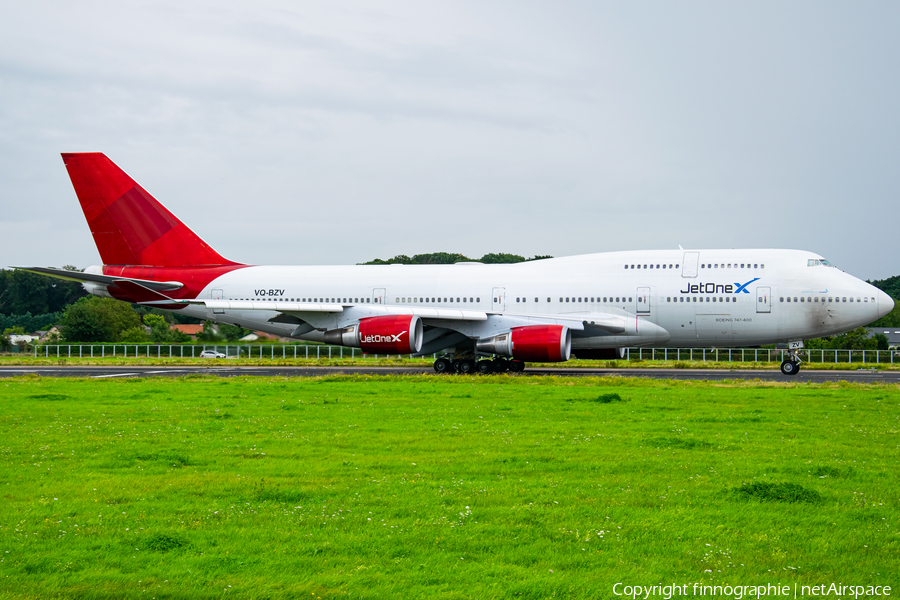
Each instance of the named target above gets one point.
<point>133,335</point>
<point>23,292</point>
<point>856,339</point>
<point>159,328</point>
<point>448,258</point>
<point>892,319</point>
<point>95,319</point>
<point>209,333</point>
<point>232,332</point>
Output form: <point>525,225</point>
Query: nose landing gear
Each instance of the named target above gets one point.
<point>791,364</point>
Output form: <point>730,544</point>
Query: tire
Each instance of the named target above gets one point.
<point>442,365</point>
<point>516,366</point>
<point>790,368</point>
<point>485,367</point>
<point>466,367</point>
<point>501,365</point>
<point>457,365</point>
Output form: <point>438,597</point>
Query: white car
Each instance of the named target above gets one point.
<point>211,354</point>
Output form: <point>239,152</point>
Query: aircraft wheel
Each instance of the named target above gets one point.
<point>442,365</point>
<point>466,367</point>
<point>456,364</point>
<point>485,367</point>
<point>501,365</point>
<point>516,366</point>
<point>789,367</point>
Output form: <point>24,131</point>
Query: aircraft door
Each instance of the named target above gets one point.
<point>498,299</point>
<point>643,301</point>
<point>764,299</point>
<point>378,296</point>
<point>217,295</point>
<point>690,264</point>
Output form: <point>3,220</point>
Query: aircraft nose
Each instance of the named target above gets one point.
<point>885,304</point>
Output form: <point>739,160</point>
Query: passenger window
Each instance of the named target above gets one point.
<point>517,299</point>
<point>629,299</point>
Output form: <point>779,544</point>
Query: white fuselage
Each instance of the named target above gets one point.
<point>669,298</point>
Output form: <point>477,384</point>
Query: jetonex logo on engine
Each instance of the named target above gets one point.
<point>376,338</point>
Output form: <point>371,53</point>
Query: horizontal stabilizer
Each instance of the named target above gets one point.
<point>162,286</point>
<point>139,293</point>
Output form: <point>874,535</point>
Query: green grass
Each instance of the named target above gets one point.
<point>437,487</point>
<point>405,361</point>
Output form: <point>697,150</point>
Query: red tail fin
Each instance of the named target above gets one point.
<point>131,227</point>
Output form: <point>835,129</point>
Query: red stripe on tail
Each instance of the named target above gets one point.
<point>131,227</point>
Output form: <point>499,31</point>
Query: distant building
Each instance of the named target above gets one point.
<point>191,330</point>
<point>262,335</point>
<point>50,336</point>
<point>891,333</point>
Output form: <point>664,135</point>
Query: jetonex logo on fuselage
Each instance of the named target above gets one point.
<point>718,288</point>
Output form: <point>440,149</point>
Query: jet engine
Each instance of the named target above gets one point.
<point>390,334</point>
<point>535,343</point>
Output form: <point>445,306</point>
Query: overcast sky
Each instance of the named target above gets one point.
<point>338,132</point>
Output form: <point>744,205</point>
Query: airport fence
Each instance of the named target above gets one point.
<point>322,351</point>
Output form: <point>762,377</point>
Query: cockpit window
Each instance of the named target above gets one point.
<point>815,262</point>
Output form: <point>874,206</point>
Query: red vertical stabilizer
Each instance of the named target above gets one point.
<point>131,227</point>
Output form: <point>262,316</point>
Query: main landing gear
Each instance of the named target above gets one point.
<point>465,365</point>
<point>791,364</point>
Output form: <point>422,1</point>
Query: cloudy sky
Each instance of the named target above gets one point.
<point>338,132</point>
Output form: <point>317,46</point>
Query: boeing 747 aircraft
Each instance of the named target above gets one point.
<point>481,317</point>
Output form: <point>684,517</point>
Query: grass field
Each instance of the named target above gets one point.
<point>405,361</point>
<point>437,487</point>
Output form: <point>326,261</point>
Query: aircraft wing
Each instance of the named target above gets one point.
<point>298,308</point>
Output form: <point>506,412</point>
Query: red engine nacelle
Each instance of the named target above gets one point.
<point>541,343</point>
<point>401,334</point>
<point>394,334</point>
<point>535,343</point>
